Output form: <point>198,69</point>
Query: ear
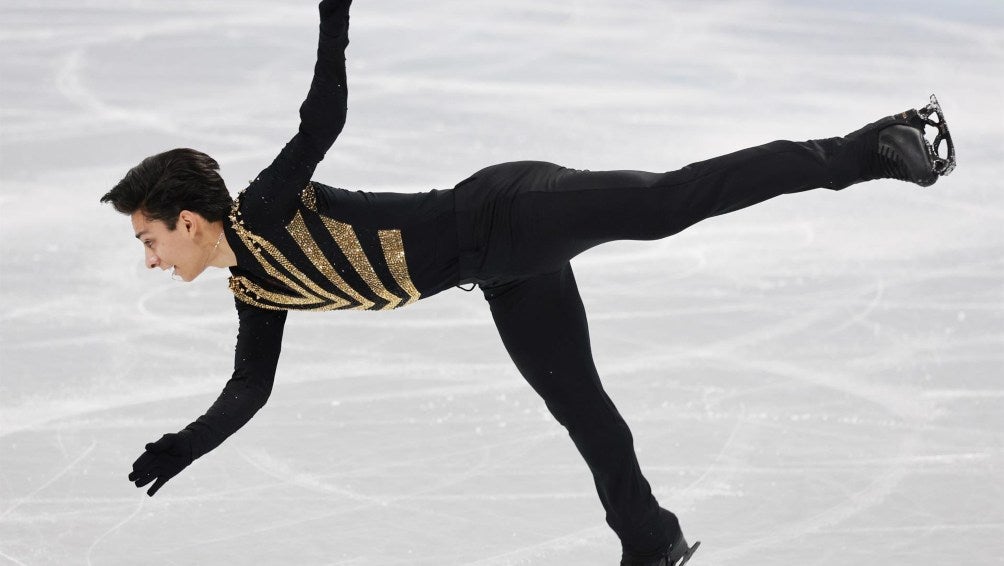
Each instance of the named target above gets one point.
<point>187,220</point>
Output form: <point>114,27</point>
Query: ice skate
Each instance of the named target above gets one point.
<point>677,554</point>
<point>895,147</point>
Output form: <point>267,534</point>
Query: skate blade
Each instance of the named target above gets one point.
<point>942,165</point>
<point>689,553</point>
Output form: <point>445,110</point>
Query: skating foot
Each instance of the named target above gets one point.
<point>677,555</point>
<point>901,151</point>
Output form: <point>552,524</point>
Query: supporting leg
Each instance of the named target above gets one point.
<point>542,323</point>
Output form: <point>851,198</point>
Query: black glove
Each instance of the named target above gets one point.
<point>329,8</point>
<point>334,17</point>
<point>162,461</point>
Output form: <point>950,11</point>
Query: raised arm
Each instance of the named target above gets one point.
<point>259,340</point>
<point>322,114</point>
<point>322,117</point>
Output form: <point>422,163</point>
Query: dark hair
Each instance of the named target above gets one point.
<point>163,185</point>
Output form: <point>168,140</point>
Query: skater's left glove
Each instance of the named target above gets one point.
<point>162,461</point>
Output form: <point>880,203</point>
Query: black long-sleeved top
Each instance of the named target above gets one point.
<point>301,244</point>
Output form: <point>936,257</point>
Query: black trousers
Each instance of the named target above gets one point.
<point>522,222</point>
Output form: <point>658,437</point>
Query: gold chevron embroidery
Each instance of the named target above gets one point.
<point>256,244</point>
<point>345,237</point>
<point>252,289</point>
<point>393,252</point>
<point>249,292</point>
<point>309,197</point>
<point>243,297</point>
<point>298,229</point>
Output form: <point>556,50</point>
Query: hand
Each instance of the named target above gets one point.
<point>162,461</point>
<point>328,8</point>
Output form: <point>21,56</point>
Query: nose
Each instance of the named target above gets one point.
<point>151,259</point>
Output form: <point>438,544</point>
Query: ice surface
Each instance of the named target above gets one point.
<point>815,380</point>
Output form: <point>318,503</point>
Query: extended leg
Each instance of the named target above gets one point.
<point>563,212</point>
<point>542,323</point>
<point>558,213</point>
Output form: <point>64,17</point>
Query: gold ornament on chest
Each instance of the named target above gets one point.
<point>329,291</point>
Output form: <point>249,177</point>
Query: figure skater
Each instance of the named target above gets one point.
<point>292,242</point>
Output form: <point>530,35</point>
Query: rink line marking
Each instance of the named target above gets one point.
<point>17,419</point>
<point>278,469</point>
<point>715,466</point>
<point>861,316</point>
<point>282,472</point>
<point>51,480</point>
<point>874,493</point>
<point>12,559</point>
<point>115,527</point>
<point>962,394</point>
<point>900,401</point>
<point>570,540</point>
<point>915,528</point>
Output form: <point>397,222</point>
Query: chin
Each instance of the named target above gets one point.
<point>190,278</point>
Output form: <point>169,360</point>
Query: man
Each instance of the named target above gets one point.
<point>294,243</point>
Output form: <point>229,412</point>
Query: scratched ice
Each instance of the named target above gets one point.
<point>816,380</point>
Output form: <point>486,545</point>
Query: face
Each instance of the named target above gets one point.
<point>176,249</point>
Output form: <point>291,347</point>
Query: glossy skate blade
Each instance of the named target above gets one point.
<point>942,165</point>
<point>689,553</point>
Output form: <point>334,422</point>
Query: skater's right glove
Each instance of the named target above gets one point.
<point>334,16</point>
<point>162,461</point>
<point>329,8</point>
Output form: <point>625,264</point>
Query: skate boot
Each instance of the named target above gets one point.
<point>895,148</point>
<point>677,554</point>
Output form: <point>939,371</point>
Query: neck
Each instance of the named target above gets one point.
<point>222,255</point>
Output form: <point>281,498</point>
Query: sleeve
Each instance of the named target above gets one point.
<point>322,114</point>
<point>259,339</point>
<point>277,188</point>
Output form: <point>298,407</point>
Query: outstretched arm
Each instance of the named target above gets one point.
<point>322,117</point>
<point>322,114</point>
<point>259,340</point>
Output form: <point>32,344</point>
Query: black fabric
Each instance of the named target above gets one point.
<point>259,337</point>
<point>522,223</point>
<point>512,229</point>
<point>161,461</point>
<point>528,217</point>
<point>426,221</point>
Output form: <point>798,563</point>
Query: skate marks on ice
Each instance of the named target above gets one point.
<point>823,368</point>
<point>820,358</point>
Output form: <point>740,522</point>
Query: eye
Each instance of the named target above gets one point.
<point>148,244</point>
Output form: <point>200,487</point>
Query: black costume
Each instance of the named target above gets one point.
<point>511,228</point>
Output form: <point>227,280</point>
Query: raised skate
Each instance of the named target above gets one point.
<point>900,149</point>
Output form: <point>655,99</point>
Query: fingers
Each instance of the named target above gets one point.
<point>161,461</point>
<point>143,477</point>
<point>157,485</point>
<point>162,444</point>
<point>144,461</point>
<point>143,480</point>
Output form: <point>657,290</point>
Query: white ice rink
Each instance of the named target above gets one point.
<point>816,380</point>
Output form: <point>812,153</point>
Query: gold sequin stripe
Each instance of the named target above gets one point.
<point>252,289</point>
<point>346,239</point>
<point>298,229</point>
<point>250,240</point>
<point>309,197</point>
<point>393,252</point>
<point>253,242</point>
<point>244,297</point>
<point>393,249</point>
